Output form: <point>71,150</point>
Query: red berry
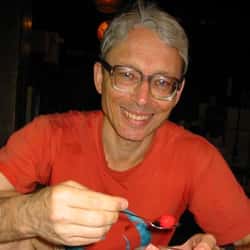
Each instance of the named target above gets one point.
<point>167,221</point>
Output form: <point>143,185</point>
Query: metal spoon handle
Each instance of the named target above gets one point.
<point>153,224</point>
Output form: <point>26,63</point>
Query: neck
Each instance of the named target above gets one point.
<point>122,154</point>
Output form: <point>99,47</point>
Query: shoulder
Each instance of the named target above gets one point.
<point>67,120</point>
<point>178,135</point>
<point>187,147</point>
<point>50,126</point>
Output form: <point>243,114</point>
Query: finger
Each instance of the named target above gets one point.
<point>81,241</point>
<point>204,242</point>
<point>151,247</point>
<point>74,184</point>
<point>81,232</point>
<point>83,217</point>
<point>81,197</point>
<point>93,218</point>
<point>199,242</point>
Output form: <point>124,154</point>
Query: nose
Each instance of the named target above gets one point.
<point>142,92</point>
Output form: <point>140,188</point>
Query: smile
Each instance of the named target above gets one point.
<point>137,117</point>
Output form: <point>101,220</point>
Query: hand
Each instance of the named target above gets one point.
<point>71,214</point>
<point>200,242</point>
<point>196,242</point>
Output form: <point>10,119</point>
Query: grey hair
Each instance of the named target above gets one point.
<point>151,17</point>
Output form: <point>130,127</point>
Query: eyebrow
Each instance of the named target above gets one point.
<point>165,73</point>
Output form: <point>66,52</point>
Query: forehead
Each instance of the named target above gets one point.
<point>144,49</point>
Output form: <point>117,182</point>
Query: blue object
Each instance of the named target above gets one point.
<point>141,227</point>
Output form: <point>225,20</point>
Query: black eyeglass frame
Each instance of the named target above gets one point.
<point>178,82</point>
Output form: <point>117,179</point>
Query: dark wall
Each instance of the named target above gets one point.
<point>9,43</point>
<point>13,66</point>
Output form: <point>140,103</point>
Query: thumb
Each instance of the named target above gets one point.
<point>202,242</point>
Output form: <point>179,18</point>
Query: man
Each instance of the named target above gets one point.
<point>97,164</point>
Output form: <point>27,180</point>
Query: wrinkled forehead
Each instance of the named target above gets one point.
<point>144,49</point>
<point>140,39</point>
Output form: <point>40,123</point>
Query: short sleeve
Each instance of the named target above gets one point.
<point>27,157</point>
<point>218,202</point>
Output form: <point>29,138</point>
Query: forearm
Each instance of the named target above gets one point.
<point>16,215</point>
<point>243,244</point>
<point>243,247</point>
<point>234,247</point>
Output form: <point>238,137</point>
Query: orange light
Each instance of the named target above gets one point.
<point>108,6</point>
<point>101,29</point>
<point>27,23</point>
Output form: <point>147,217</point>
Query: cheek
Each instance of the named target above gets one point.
<point>110,100</point>
<point>163,107</point>
<point>162,112</point>
<point>114,97</point>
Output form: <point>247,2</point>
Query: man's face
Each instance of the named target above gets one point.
<point>135,116</point>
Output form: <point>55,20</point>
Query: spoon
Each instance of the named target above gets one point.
<point>165,222</point>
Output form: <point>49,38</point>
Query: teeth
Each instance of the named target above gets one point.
<point>136,117</point>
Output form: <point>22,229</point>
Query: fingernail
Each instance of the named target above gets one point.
<point>124,204</point>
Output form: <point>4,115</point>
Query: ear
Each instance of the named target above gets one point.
<point>179,92</point>
<point>98,77</point>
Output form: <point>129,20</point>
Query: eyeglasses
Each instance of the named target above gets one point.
<point>126,79</point>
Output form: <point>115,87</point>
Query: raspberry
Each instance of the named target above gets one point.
<point>167,221</point>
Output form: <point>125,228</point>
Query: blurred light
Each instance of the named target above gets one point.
<point>101,29</point>
<point>108,6</point>
<point>27,23</point>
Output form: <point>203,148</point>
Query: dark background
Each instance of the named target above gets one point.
<point>30,84</point>
<point>218,33</point>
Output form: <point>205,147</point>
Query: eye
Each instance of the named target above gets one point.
<point>127,74</point>
<point>163,82</point>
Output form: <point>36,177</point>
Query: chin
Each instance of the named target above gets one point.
<point>132,136</point>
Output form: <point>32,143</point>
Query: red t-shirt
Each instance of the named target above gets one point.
<point>181,170</point>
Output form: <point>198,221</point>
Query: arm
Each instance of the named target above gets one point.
<point>10,202</point>
<point>196,242</point>
<point>65,214</point>
<point>208,241</point>
<point>200,240</point>
<point>219,203</point>
<point>204,242</point>
<point>7,192</point>
<point>243,244</point>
